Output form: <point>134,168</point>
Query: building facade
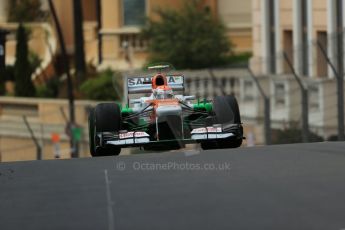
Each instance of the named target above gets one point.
<point>121,22</point>
<point>295,27</point>
<point>112,27</point>
<point>304,33</point>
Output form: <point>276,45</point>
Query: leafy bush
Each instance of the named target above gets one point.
<point>190,37</point>
<point>239,60</point>
<point>50,89</point>
<point>7,76</point>
<point>292,135</point>
<point>105,86</point>
<point>34,61</point>
<point>24,10</point>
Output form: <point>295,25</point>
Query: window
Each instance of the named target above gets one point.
<point>134,12</point>
<point>279,93</point>
<point>322,67</point>
<point>248,91</point>
<point>314,102</point>
<point>288,47</point>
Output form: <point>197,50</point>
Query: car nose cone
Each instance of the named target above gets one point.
<point>168,110</point>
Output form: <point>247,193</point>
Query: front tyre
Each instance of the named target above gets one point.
<point>91,122</point>
<point>107,118</point>
<point>226,112</point>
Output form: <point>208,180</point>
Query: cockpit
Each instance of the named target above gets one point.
<point>163,93</point>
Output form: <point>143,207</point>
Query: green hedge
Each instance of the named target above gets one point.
<point>105,86</point>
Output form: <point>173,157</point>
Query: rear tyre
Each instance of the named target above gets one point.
<point>107,118</point>
<point>226,112</point>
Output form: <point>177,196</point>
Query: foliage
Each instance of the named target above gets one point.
<point>50,89</point>
<point>333,137</point>
<point>22,67</point>
<point>2,86</point>
<point>34,60</point>
<point>188,38</point>
<point>24,10</point>
<point>239,60</point>
<point>292,135</point>
<point>106,86</point>
<point>8,75</point>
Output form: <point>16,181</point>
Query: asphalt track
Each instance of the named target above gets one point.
<point>298,186</point>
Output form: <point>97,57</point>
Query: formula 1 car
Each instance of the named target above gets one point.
<point>163,120</point>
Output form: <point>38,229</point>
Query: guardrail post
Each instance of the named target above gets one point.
<point>267,108</point>
<point>66,67</point>
<point>305,104</point>
<point>340,92</point>
<point>34,139</point>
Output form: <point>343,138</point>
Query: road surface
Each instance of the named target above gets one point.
<point>299,186</point>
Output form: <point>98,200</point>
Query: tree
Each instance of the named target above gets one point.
<point>24,10</point>
<point>22,68</point>
<point>188,38</point>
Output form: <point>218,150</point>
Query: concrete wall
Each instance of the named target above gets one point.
<point>45,118</point>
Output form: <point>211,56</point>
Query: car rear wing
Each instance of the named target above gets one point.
<point>136,85</point>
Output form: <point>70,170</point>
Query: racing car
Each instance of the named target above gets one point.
<point>164,119</point>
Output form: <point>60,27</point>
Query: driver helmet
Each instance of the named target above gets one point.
<point>163,92</point>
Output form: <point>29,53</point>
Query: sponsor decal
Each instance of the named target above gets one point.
<point>140,81</point>
<point>207,130</point>
<point>131,135</point>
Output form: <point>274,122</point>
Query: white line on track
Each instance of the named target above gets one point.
<point>189,153</point>
<point>109,201</point>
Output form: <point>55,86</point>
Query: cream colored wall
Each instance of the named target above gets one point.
<point>45,117</point>
<point>319,19</point>
<point>110,22</point>
<point>3,10</point>
<point>242,40</point>
<point>237,17</point>
<point>235,14</point>
<point>110,14</point>
<point>238,23</point>
<point>320,14</point>
<point>91,42</point>
<point>25,150</point>
<point>64,10</point>
<point>37,40</point>
<point>255,61</point>
<point>285,14</point>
